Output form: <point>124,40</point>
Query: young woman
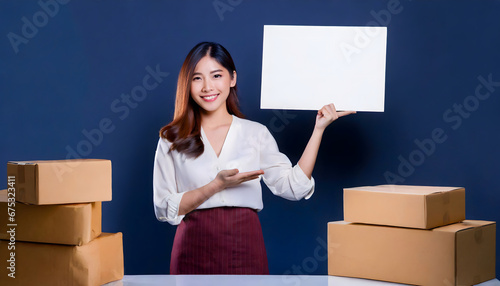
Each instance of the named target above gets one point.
<point>208,164</point>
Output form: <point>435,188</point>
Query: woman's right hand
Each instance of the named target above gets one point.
<point>233,177</point>
<point>224,179</point>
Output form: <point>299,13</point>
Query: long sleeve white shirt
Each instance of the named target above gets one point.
<point>248,146</point>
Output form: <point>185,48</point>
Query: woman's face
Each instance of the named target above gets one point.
<point>211,84</point>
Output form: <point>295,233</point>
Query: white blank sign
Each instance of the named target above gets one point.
<point>307,67</point>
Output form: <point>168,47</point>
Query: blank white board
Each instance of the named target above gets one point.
<point>307,67</point>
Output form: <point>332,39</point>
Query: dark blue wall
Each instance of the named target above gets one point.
<point>62,74</point>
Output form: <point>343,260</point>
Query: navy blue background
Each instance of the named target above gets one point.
<point>67,76</point>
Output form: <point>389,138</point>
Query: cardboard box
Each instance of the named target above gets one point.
<point>405,206</point>
<point>73,224</point>
<point>92,264</point>
<point>61,181</point>
<point>456,254</point>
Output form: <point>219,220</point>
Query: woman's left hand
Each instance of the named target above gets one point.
<point>327,114</point>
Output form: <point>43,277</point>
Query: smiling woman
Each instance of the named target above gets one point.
<point>207,165</point>
<point>185,130</point>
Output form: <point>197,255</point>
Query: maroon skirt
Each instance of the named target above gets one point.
<point>224,240</point>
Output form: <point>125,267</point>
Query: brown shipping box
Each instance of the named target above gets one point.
<point>92,264</point>
<point>405,206</point>
<point>73,224</point>
<point>456,254</point>
<point>61,181</point>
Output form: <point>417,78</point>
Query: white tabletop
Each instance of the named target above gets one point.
<point>253,280</point>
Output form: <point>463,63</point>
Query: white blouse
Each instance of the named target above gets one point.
<point>248,146</point>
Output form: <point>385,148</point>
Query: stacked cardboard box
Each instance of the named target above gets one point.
<point>412,235</point>
<point>50,225</point>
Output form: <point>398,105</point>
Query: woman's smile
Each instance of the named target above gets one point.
<point>210,97</point>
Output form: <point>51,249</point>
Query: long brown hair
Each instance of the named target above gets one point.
<point>185,129</point>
